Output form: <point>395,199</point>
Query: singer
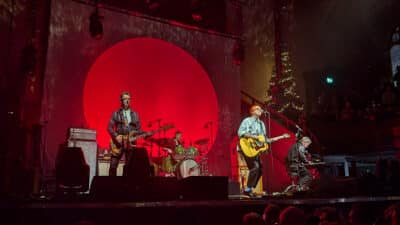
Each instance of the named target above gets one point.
<point>252,127</point>
<point>123,121</point>
<point>250,132</point>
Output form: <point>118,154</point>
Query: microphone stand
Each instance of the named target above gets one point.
<point>159,136</point>
<point>298,133</point>
<point>204,160</point>
<point>270,149</point>
<point>210,125</point>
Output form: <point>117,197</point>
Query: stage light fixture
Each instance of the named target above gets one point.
<point>96,25</point>
<point>196,7</point>
<point>153,4</point>
<point>238,53</point>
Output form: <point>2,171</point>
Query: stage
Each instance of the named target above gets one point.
<point>230,211</point>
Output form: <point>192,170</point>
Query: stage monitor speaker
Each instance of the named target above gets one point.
<point>118,189</point>
<point>233,188</point>
<point>89,149</point>
<point>109,189</point>
<point>204,188</point>
<point>335,187</point>
<point>161,189</point>
<point>72,171</point>
<point>138,167</point>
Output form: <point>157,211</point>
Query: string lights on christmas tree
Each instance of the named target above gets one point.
<point>282,92</point>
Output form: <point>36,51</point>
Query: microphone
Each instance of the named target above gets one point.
<point>264,111</point>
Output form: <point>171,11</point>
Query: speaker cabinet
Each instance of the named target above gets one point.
<point>128,189</point>
<point>109,189</point>
<point>104,167</point>
<point>72,171</point>
<point>204,188</point>
<point>233,188</point>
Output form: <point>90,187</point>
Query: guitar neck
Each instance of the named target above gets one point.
<point>143,135</point>
<point>277,138</point>
<point>151,132</point>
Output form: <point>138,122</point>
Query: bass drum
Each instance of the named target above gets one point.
<point>187,168</point>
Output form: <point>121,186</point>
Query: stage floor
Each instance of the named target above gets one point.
<point>230,211</point>
<point>233,200</point>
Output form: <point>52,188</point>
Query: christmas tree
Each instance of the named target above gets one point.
<point>282,93</point>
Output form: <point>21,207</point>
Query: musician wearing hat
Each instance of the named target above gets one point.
<point>296,161</point>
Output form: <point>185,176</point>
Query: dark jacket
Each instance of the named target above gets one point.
<point>116,125</point>
<point>295,159</point>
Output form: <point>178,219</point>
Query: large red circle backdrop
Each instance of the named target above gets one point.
<point>165,82</point>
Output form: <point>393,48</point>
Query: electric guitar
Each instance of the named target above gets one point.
<point>128,140</point>
<point>252,147</point>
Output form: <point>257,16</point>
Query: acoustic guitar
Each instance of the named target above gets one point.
<point>252,147</point>
<point>128,140</point>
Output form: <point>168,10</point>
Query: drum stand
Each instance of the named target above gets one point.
<point>204,166</point>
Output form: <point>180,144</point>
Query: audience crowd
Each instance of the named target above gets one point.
<point>383,103</point>
<point>358,214</point>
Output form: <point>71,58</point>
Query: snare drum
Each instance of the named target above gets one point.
<point>187,168</point>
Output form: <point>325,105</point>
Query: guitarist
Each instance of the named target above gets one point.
<point>122,121</point>
<point>296,160</point>
<point>252,127</point>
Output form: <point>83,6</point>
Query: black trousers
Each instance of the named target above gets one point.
<point>114,161</point>
<point>304,177</point>
<point>255,170</point>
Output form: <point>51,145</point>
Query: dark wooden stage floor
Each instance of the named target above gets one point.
<point>230,211</point>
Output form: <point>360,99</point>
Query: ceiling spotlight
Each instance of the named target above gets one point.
<point>196,17</point>
<point>196,7</point>
<point>96,25</point>
<point>153,5</point>
<point>238,53</point>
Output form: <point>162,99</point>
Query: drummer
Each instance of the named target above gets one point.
<point>179,149</point>
<point>189,152</point>
<point>175,149</point>
<point>176,145</point>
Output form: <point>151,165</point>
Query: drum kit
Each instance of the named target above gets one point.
<point>180,161</point>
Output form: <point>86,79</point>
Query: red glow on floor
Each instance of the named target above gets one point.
<point>165,82</point>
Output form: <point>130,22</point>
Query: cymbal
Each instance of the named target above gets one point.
<point>202,141</point>
<point>163,142</point>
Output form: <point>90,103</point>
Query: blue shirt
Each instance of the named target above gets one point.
<point>253,126</point>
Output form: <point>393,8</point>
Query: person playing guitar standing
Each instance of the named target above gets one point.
<point>123,122</point>
<point>253,140</point>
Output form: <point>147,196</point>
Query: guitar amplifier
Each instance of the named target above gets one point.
<point>81,134</point>
<point>104,166</point>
